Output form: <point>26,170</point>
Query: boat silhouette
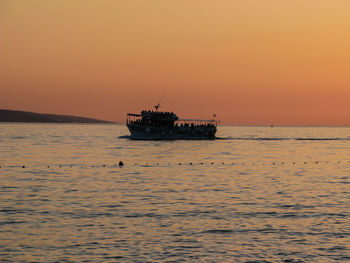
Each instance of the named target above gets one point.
<point>165,125</point>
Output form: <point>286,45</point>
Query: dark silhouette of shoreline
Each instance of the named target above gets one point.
<point>26,116</point>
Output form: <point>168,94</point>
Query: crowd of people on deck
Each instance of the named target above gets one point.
<point>170,124</point>
<point>193,126</point>
<point>163,114</point>
<point>167,120</point>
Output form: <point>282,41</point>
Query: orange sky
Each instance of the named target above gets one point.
<point>250,62</point>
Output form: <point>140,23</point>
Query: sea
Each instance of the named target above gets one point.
<point>87,193</point>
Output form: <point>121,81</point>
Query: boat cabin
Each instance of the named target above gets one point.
<point>166,119</point>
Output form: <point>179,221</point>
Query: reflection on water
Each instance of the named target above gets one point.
<point>271,195</point>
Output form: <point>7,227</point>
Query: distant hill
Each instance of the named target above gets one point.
<point>25,116</point>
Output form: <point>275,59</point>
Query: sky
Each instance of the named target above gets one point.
<point>251,62</point>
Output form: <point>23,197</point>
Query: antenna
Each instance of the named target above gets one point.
<point>158,105</point>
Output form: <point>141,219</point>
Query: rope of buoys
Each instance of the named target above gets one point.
<point>121,164</point>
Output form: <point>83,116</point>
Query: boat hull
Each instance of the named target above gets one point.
<point>141,132</point>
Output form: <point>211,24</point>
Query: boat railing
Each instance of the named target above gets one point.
<point>196,122</point>
<point>131,117</point>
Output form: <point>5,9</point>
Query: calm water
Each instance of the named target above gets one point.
<point>258,194</point>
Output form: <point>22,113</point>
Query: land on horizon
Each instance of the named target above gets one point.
<point>27,116</point>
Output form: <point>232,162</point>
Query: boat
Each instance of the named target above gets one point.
<point>165,125</point>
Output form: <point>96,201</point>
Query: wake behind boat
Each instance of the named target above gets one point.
<point>159,125</point>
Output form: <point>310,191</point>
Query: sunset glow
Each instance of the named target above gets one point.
<point>249,62</point>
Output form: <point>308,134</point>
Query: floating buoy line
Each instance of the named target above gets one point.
<point>121,164</point>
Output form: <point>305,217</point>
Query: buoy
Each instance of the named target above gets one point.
<point>121,163</point>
